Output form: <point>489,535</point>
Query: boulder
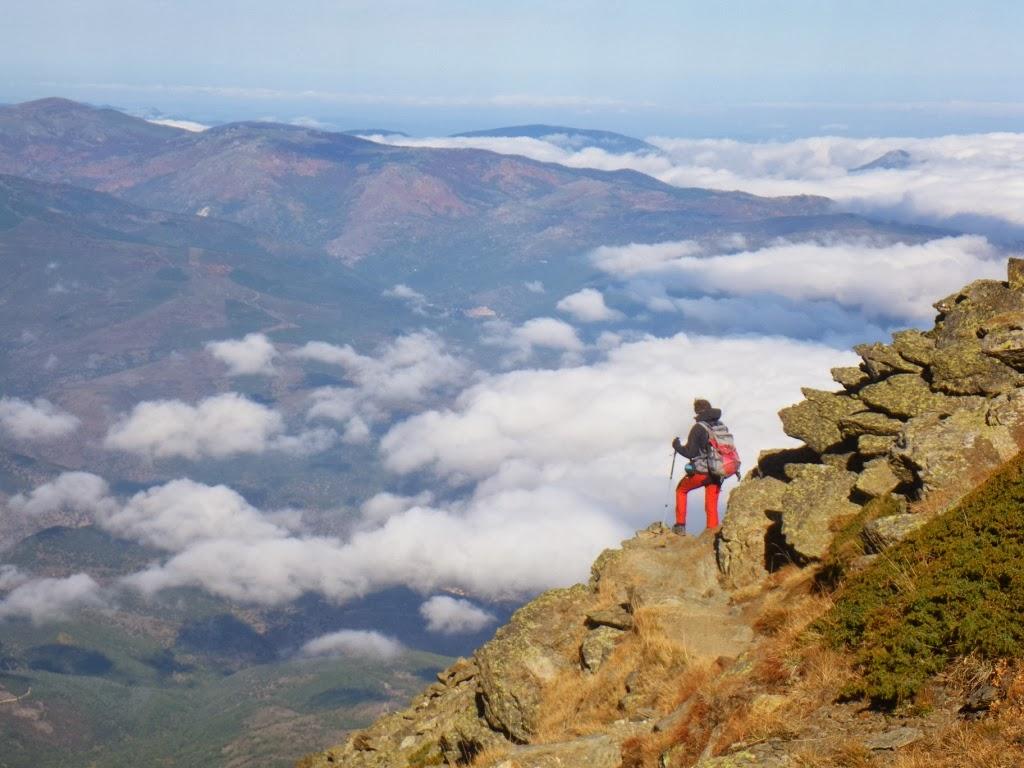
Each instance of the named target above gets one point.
<point>904,396</point>
<point>1006,345</point>
<point>816,497</point>
<point>963,313</point>
<point>540,641</point>
<point>1008,411</point>
<point>1015,273</point>
<point>850,378</point>
<point>617,617</point>
<point>772,463</point>
<point>654,566</point>
<point>874,445</point>
<point>881,360</point>
<point>952,453</point>
<point>816,419</point>
<point>740,546</point>
<point>877,479</point>
<point>882,533</point>
<point>963,368</point>
<point>598,645</point>
<point>914,346</point>
<point>869,423</point>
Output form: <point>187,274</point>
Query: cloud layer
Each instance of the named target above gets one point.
<point>889,282</point>
<point>965,181</point>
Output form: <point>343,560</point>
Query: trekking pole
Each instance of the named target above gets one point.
<point>671,472</point>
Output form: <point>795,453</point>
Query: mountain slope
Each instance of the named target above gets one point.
<point>859,600</point>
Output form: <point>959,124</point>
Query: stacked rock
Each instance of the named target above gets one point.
<point>923,420</point>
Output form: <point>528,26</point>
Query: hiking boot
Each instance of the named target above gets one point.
<point>679,529</point>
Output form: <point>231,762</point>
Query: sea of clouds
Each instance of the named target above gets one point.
<point>515,475</point>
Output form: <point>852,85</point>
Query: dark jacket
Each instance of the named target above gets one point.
<point>697,441</point>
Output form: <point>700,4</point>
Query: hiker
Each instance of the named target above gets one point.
<point>705,445</point>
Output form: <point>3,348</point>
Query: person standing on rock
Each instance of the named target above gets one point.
<point>704,470</point>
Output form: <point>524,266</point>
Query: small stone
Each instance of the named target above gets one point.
<point>674,718</point>
<point>772,463</point>
<point>617,617</point>
<point>869,423</point>
<point>877,479</point>
<point>850,378</point>
<point>882,533</point>
<point>914,346</point>
<point>881,360</point>
<point>874,445</point>
<point>893,739</point>
<point>598,645</point>
<point>1006,345</point>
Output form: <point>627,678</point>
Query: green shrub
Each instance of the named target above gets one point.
<point>954,587</point>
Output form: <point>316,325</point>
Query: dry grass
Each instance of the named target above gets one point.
<point>578,703</point>
<point>997,741</point>
<point>843,753</point>
<point>491,756</point>
<point>778,686</point>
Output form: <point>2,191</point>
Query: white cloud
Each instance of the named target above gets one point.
<point>11,577</point>
<point>219,426</point>
<point>308,442</point>
<point>46,600</point>
<point>588,306</point>
<point>76,491</point>
<point>894,280</point>
<point>186,125</point>
<point>353,642</point>
<point>378,508</point>
<point>252,355</point>
<point>450,616</point>
<point>404,373</point>
<point>38,420</point>
<point>417,301</point>
<point>180,513</point>
<point>534,286</point>
<point>638,258</point>
<point>539,333</point>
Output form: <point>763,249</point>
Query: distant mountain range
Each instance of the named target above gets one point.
<point>408,213</point>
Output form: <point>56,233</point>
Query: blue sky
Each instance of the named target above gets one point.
<point>749,69</point>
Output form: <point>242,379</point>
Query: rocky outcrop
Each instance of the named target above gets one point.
<point>496,700</point>
<point>923,418</point>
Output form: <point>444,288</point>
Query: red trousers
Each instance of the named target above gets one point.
<point>711,488</point>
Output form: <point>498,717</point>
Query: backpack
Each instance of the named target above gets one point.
<point>723,458</point>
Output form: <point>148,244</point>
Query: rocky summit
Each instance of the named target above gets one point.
<point>711,651</point>
<point>923,420</point>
